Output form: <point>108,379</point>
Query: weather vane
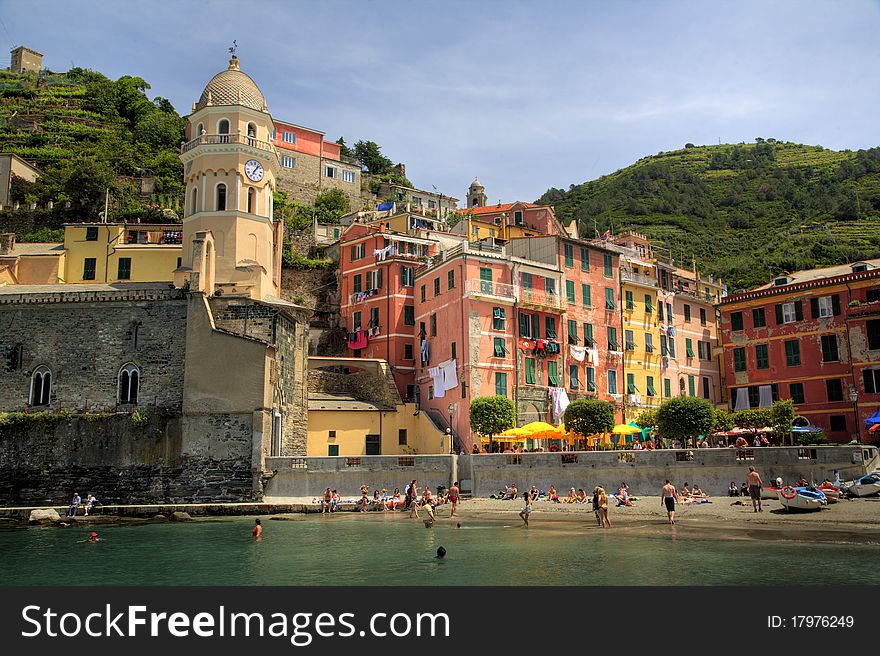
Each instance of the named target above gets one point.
<point>233,48</point>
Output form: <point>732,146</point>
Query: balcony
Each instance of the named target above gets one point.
<point>541,300</point>
<point>490,289</point>
<point>153,236</point>
<point>638,278</point>
<point>863,309</point>
<point>225,139</point>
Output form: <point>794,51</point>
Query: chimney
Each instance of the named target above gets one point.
<point>7,243</point>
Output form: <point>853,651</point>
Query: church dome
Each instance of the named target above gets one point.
<point>476,184</point>
<point>232,87</point>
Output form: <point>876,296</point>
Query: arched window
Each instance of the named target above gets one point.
<point>681,386</point>
<point>200,130</point>
<point>252,200</point>
<point>129,383</point>
<point>194,207</point>
<point>252,130</point>
<point>41,386</point>
<point>223,130</point>
<point>220,205</point>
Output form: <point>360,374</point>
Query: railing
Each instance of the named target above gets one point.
<point>863,309</point>
<point>153,237</point>
<point>490,288</point>
<point>638,278</point>
<point>541,298</point>
<point>215,139</point>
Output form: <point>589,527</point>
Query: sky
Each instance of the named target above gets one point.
<point>525,95</point>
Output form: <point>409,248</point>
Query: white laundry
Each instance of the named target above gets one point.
<point>742,399</point>
<point>765,396</point>
<point>594,355</point>
<point>449,371</point>
<point>560,401</point>
<point>577,352</point>
<point>436,375</point>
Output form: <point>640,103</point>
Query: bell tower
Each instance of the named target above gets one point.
<point>231,244</point>
<point>476,196</point>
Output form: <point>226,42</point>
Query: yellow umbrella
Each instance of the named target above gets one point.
<point>539,429</point>
<point>625,429</point>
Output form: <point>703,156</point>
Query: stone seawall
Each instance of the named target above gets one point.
<point>44,462</point>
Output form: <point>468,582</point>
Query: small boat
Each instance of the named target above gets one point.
<point>866,486</point>
<point>771,492</point>
<point>802,498</point>
<point>831,492</point>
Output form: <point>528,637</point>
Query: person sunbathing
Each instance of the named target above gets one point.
<point>698,493</point>
<point>572,497</point>
<point>378,501</point>
<point>686,491</point>
<point>581,496</point>
<point>623,497</point>
<point>511,492</point>
<point>552,496</point>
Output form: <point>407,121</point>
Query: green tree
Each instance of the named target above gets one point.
<point>331,205</point>
<point>586,417</point>
<point>753,419</point>
<point>781,417</point>
<point>723,421</point>
<point>685,416</point>
<point>160,130</point>
<point>86,184</point>
<point>344,151</point>
<point>491,415</point>
<point>647,419</point>
<point>371,158</point>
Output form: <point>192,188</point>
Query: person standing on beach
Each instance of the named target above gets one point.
<point>603,508</point>
<point>258,530</point>
<point>755,484</point>
<point>668,495</point>
<point>453,497</point>
<point>596,506</point>
<point>526,511</point>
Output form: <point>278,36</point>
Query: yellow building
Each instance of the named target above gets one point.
<point>355,410</point>
<point>29,264</point>
<point>120,252</point>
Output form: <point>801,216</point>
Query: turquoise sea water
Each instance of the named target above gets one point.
<point>351,549</point>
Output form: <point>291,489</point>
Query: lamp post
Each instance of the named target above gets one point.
<point>451,410</point>
<point>854,397</point>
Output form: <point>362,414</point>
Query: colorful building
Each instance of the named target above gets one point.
<point>812,337</point>
<point>30,263</point>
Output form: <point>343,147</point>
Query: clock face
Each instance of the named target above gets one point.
<point>254,170</point>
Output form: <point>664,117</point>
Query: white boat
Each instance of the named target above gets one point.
<point>801,498</point>
<point>866,486</point>
<point>831,492</point>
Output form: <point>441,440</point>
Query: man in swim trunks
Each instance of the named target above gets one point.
<point>668,495</point>
<point>453,496</point>
<point>257,532</point>
<point>755,483</point>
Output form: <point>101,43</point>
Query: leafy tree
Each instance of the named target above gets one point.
<point>685,416</point>
<point>753,419</point>
<point>782,416</point>
<point>647,419</point>
<point>160,130</point>
<point>723,421</point>
<point>371,158</point>
<point>344,151</point>
<point>87,183</point>
<point>491,415</point>
<point>586,417</point>
<point>331,205</point>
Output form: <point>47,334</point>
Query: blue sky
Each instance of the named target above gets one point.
<point>525,95</point>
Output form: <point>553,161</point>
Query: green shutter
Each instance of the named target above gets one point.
<point>552,373</point>
<point>650,386</point>
<point>585,259</point>
<point>485,280</point>
<point>500,350</point>
<point>739,359</point>
<point>631,384</point>
<point>667,388</point>
<point>689,347</point>
<point>591,379</point>
<point>588,334</point>
<point>525,325</point>
<point>630,304</point>
<point>530,371</point>
<point>609,273</point>
<point>586,296</point>
<point>609,299</point>
<point>691,389</point>
<point>500,384</point>
<point>649,306</point>
<point>569,291</point>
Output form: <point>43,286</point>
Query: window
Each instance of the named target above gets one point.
<point>612,381</point>
<point>526,279</point>
<point>671,347</point>
<point>498,316</point>
<point>500,383</point>
<point>407,279</point>
<point>572,332</point>
<point>518,217</point>
<point>649,384</point>
<point>436,286</point>
<point>664,348</point>
<point>223,128</point>
<point>736,320</point>
<point>450,279</point>
<point>251,200</point>
<point>829,348</point>
<point>872,295</point>
<point>630,340</point>
<point>586,295</point>
<point>407,351</point>
<point>573,382</point>
<point>873,329</point>
<point>288,137</point>
<point>591,379</point>
<point>762,357</point>
<point>759,320</point>
<point>792,353</point>
<point>838,423</point>
<point>660,311</point>
<point>423,293</point>
<point>525,324</point>
<point>530,371</point>
<point>608,269</point>
<point>92,233</point>
<point>739,359</point>
<point>550,327</point>
<point>374,317</point>
<point>609,299</point>
<point>373,445</point>
<point>500,350</point>
<point>401,437</point>
<point>569,255</point>
<point>347,176</point>
<point>585,259</point>
<point>374,279</point>
<point>41,386</point>
<point>355,320</point>
<point>649,343</point>
<point>796,391</point>
<point>706,388</point>
<point>430,392</point>
<point>667,388</point>
<point>358,251</point>
<point>630,304</point>
<point>789,312</point>
<point>689,347</point>
<point>569,291</point>
<point>687,313</point>
<point>453,351</point>
<point>834,387</point>
<point>433,203</point>
<point>692,391</point>
<point>330,172</point>
<point>288,162</point>
<point>124,269</point>
<point>588,335</point>
<point>550,286</point>
<point>826,306</point>
<point>631,384</point>
<point>553,373</point>
<point>649,304</point>
<point>669,312</point>
<point>357,283</point>
<point>129,384</point>
<point>409,315</point>
<point>89,268</point>
<point>702,316</point>
<point>433,325</point>
<point>871,378</point>
<point>485,281</point>
<point>612,339</point>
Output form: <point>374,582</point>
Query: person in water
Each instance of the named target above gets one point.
<point>93,537</point>
<point>258,530</point>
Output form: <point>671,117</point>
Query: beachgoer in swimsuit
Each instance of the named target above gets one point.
<point>327,502</point>
<point>603,508</point>
<point>596,506</point>
<point>754,480</point>
<point>527,510</point>
<point>258,530</point>
<point>668,495</point>
<point>581,495</point>
<point>453,496</point>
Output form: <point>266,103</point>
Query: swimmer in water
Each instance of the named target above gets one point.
<point>258,530</point>
<point>93,537</point>
<point>441,552</point>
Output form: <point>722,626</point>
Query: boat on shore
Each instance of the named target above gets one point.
<point>832,492</point>
<point>802,498</point>
<point>865,486</point>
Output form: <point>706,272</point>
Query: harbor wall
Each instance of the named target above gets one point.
<point>644,471</point>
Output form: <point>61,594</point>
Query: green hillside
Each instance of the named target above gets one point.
<point>746,212</point>
<point>86,134</point>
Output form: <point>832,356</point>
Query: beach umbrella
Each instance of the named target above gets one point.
<point>873,419</point>
<point>541,430</point>
<point>626,429</point>
<point>874,427</point>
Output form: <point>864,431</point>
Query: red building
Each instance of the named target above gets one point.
<point>813,337</point>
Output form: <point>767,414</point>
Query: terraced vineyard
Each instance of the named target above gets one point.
<point>745,212</point>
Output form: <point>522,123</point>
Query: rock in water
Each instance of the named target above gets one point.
<point>159,518</point>
<point>180,516</point>
<point>44,516</point>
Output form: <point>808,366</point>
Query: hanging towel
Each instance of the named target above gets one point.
<point>577,352</point>
<point>765,396</point>
<point>450,374</point>
<point>594,355</point>
<point>559,401</point>
<point>436,374</point>
<point>359,341</point>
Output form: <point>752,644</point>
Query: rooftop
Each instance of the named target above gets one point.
<point>500,207</point>
<point>232,87</point>
<point>34,249</point>
<point>817,274</point>
<point>322,401</point>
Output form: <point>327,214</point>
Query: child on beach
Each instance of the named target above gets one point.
<point>526,511</point>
